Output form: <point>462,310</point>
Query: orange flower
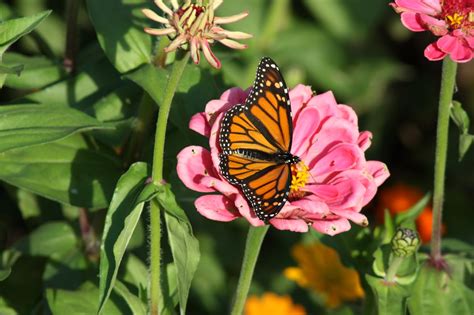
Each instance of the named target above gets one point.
<point>321,270</point>
<point>272,304</point>
<point>400,198</point>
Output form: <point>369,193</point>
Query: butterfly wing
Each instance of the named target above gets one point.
<point>252,134</point>
<point>264,122</point>
<point>264,183</point>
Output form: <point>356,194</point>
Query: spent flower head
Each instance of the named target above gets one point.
<point>194,26</point>
<point>452,20</point>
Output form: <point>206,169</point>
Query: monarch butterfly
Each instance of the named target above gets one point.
<point>255,140</point>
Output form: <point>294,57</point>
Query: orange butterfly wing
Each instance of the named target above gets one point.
<point>252,135</point>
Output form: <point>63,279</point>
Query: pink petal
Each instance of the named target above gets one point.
<point>339,158</point>
<point>433,53</point>
<point>293,225</point>
<point>436,26</point>
<point>333,131</point>
<point>378,171</point>
<point>365,140</point>
<point>214,140</point>
<point>350,192</point>
<point>455,47</point>
<point>211,58</point>
<point>194,164</point>
<point>346,112</point>
<point>431,7</point>
<point>325,103</point>
<point>221,186</point>
<point>299,96</point>
<point>354,216</point>
<point>304,130</point>
<point>215,107</point>
<point>234,96</point>
<point>244,209</point>
<point>331,227</point>
<point>412,21</point>
<point>216,207</point>
<point>323,192</point>
<point>199,124</point>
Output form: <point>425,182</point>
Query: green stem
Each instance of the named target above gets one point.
<point>72,12</point>
<point>393,268</point>
<point>157,174</point>
<point>252,249</point>
<point>448,78</point>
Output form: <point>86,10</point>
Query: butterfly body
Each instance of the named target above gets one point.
<point>255,140</point>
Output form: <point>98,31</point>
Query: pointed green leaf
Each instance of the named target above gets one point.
<point>119,26</point>
<point>407,218</point>
<point>12,30</point>
<point>49,240</point>
<point>26,125</point>
<point>134,303</point>
<point>153,80</point>
<point>183,243</point>
<point>465,141</point>
<point>437,293</point>
<point>68,171</point>
<point>122,217</point>
<point>80,302</point>
<point>460,117</point>
<point>391,299</point>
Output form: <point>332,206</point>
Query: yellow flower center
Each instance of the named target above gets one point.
<point>299,178</point>
<point>455,20</point>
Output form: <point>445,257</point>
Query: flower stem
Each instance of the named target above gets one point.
<point>252,249</point>
<point>448,78</point>
<point>157,174</point>
<point>72,12</point>
<point>393,268</point>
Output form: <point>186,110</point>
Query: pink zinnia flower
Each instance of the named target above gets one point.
<point>329,186</point>
<point>452,20</point>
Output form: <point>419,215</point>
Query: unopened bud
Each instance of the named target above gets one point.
<point>405,242</point>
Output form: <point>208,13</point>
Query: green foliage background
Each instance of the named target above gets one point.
<point>67,138</point>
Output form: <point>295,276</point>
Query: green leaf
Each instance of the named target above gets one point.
<point>67,171</point>
<point>26,125</point>
<point>12,30</point>
<point>85,88</point>
<point>134,303</point>
<point>122,217</point>
<point>407,218</point>
<point>184,245</point>
<point>11,69</point>
<point>152,79</point>
<point>49,240</point>
<point>407,271</point>
<point>80,302</point>
<point>436,293</point>
<point>136,273</point>
<point>119,26</point>
<point>169,287</point>
<point>38,71</point>
<point>460,117</point>
<point>465,141</point>
<point>390,299</point>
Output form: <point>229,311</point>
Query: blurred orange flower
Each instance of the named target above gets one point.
<point>272,304</point>
<point>400,198</point>
<point>321,270</point>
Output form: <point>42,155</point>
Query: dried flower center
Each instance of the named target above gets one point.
<point>299,178</point>
<point>192,18</point>
<point>459,14</point>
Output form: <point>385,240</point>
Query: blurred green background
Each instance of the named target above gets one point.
<point>358,50</point>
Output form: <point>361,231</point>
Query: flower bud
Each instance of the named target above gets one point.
<point>405,242</point>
